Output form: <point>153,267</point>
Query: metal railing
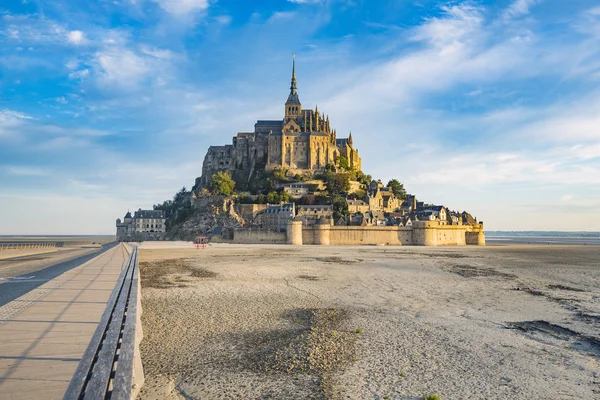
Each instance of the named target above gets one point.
<point>111,365</point>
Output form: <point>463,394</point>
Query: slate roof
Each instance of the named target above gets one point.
<point>268,123</point>
<point>156,214</point>
<point>356,202</point>
<point>293,99</point>
<point>325,207</point>
<point>433,208</point>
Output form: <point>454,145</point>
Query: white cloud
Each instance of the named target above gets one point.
<point>223,19</point>
<point>27,171</point>
<point>519,8</point>
<point>62,100</point>
<point>121,67</point>
<point>566,198</point>
<point>182,7</point>
<point>81,74</point>
<point>12,121</point>
<point>76,37</point>
<point>460,22</point>
<point>156,53</point>
<point>9,115</point>
<point>281,15</point>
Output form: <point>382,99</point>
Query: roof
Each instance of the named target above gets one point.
<point>128,215</point>
<point>279,208</point>
<point>293,99</point>
<point>434,208</point>
<point>315,207</point>
<point>269,123</point>
<point>356,202</point>
<point>149,214</point>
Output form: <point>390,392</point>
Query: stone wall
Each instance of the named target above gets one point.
<point>475,235</point>
<point>423,233</point>
<point>255,236</point>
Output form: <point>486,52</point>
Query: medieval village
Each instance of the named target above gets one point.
<point>289,177</point>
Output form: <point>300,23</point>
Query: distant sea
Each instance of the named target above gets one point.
<point>542,237</point>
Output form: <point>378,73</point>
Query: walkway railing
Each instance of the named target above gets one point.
<point>111,366</point>
<point>27,246</point>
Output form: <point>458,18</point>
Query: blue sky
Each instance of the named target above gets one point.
<point>487,106</point>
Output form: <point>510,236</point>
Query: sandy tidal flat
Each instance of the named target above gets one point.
<point>282,322</point>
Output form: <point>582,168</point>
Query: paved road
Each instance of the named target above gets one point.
<point>20,275</point>
<point>44,333</point>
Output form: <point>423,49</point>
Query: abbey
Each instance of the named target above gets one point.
<point>302,142</point>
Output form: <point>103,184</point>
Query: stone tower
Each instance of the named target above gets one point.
<point>293,107</point>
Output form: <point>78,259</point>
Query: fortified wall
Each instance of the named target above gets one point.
<point>422,233</point>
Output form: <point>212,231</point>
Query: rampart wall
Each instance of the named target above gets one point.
<point>427,233</point>
<point>259,236</point>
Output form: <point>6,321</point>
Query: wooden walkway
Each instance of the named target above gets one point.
<point>44,333</point>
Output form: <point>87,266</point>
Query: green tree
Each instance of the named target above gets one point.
<point>359,195</point>
<point>337,183</point>
<point>273,197</point>
<point>222,183</point>
<point>285,197</point>
<point>342,162</point>
<point>397,188</point>
<point>362,178</point>
<point>261,199</point>
<point>340,206</point>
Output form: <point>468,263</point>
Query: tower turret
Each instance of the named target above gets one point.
<point>293,107</point>
<point>350,139</point>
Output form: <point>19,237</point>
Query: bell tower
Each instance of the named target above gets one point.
<point>293,107</point>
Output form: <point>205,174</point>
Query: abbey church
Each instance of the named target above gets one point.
<point>300,143</point>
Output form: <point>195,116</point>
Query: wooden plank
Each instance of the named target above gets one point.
<point>122,385</point>
<point>102,369</point>
<point>78,382</point>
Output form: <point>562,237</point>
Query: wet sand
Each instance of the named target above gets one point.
<point>282,322</point>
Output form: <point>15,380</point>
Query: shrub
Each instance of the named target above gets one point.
<point>222,183</point>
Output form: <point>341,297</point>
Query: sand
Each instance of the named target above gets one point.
<point>283,322</point>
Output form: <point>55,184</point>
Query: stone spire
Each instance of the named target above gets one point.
<point>350,139</point>
<point>293,97</point>
<point>293,88</point>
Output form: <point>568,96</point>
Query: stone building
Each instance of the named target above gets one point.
<point>302,142</point>
<point>278,216</point>
<point>312,214</point>
<point>382,198</point>
<point>144,225</point>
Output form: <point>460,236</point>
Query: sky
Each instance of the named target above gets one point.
<point>487,106</point>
